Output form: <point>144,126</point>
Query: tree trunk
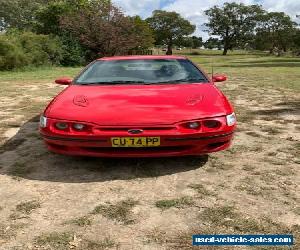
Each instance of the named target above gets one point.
<point>225,51</point>
<point>271,51</point>
<point>284,49</point>
<point>169,50</point>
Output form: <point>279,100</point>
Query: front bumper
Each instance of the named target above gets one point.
<point>171,145</point>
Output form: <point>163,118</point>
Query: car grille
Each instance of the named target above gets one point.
<point>125,129</point>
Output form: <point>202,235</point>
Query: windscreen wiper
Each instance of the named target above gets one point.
<point>110,82</point>
<point>184,80</point>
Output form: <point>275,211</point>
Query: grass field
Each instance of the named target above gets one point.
<point>49,201</point>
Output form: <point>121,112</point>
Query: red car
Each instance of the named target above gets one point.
<point>139,106</point>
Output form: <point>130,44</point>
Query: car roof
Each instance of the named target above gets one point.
<point>141,57</point>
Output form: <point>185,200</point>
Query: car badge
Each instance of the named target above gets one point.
<point>193,100</point>
<point>135,131</point>
<point>81,100</point>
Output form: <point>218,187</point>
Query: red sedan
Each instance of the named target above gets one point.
<point>139,106</point>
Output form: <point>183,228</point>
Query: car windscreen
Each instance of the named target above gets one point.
<point>150,71</point>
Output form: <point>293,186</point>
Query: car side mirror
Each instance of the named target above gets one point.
<point>64,81</point>
<point>219,78</point>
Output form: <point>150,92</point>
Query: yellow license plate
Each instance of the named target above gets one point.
<point>135,141</point>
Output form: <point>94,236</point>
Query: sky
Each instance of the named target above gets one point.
<point>193,10</point>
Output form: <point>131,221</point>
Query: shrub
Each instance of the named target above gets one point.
<point>20,49</point>
<point>73,53</point>
<point>11,54</point>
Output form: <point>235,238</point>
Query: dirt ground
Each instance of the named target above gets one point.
<point>49,201</point>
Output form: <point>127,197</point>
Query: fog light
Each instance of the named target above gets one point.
<point>231,119</point>
<point>78,126</point>
<point>61,125</point>
<point>193,125</point>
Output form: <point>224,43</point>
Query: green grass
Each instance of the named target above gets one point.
<point>263,70</point>
<point>43,74</point>
<point>256,68</point>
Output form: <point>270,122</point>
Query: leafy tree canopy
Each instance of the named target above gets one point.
<point>234,23</point>
<point>276,30</point>
<point>168,27</point>
<point>105,30</point>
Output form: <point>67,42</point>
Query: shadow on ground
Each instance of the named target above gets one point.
<point>25,156</point>
<point>281,108</point>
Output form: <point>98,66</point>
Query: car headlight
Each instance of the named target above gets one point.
<point>61,125</point>
<point>231,119</point>
<point>43,121</point>
<point>193,125</point>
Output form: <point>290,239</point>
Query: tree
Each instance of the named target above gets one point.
<point>297,42</point>
<point>48,22</point>
<point>275,32</point>
<point>213,43</point>
<point>197,42</point>
<point>47,17</point>
<point>144,34</point>
<point>234,23</point>
<point>19,14</point>
<point>103,28</point>
<point>169,27</point>
<point>184,42</point>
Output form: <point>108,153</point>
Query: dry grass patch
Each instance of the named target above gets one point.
<point>215,164</point>
<point>297,210</point>
<point>54,240</point>
<point>9,231</point>
<point>243,115</point>
<point>272,130</point>
<point>253,134</point>
<point>120,211</point>
<point>248,167</point>
<point>28,206</point>
<point>81,221</point>
<point>286,171</point>
<point>274,160</point>
<point>182,202</point>
<point>201,189</point>
<point>68,240</point>
<point>238,149</point>
<point>224,220</point>
<point>156,236</point>
<point>106,243</point>
<point>249,186</point>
